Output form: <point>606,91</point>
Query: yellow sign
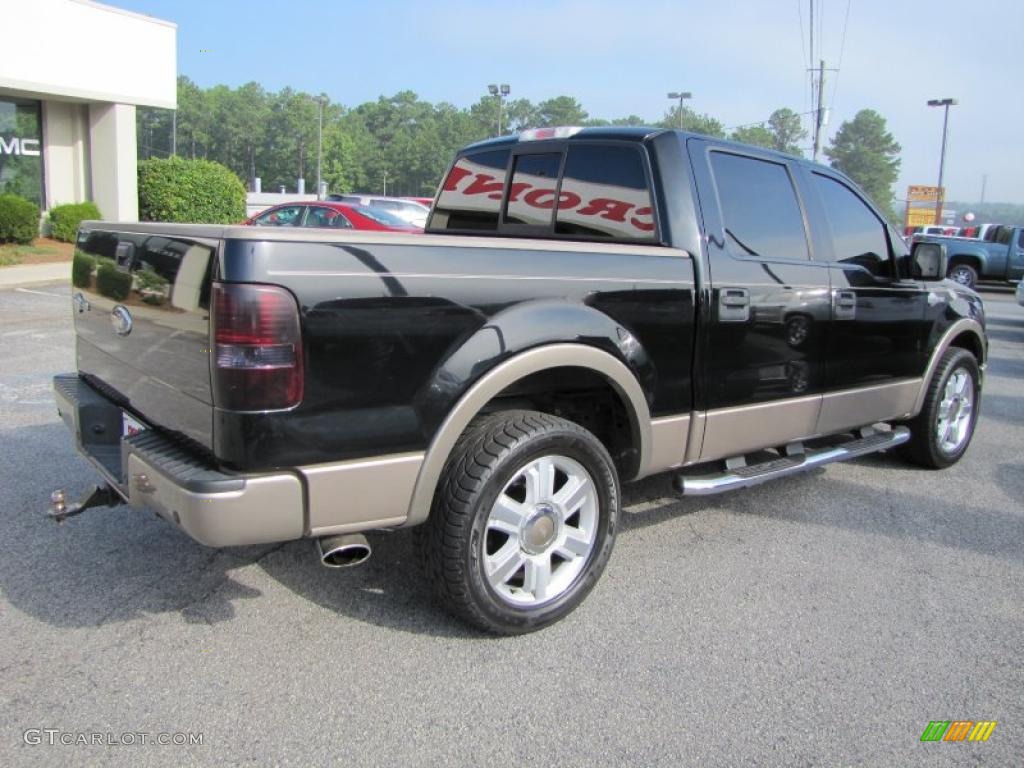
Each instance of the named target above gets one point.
<point>920,217</point>
<point>919,194</point>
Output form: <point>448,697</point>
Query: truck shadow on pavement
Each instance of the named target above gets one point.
<point>118,565</point>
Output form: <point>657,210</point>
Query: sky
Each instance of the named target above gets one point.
<point>741,60</point>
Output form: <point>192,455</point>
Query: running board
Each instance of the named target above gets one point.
<point>755,474</point>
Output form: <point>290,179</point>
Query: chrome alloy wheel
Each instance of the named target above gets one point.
<point>953,422</point>
<point>541,531</point>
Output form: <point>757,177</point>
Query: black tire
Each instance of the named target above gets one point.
<point>453,542</point>
<point>963,273</point>
<point>924,448</point>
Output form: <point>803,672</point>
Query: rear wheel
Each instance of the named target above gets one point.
<point>941,432</point>
<point>523,522</point>
<point>963,273</point>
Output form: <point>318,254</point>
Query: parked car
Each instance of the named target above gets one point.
<point>331,215</point>
<point>970,260</point>
<point>410,211</point>
<point>728,314</point>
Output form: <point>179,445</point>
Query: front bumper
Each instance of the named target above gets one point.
<point>148,470</point>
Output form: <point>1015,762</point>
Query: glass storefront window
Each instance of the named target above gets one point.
<point>21,155</point>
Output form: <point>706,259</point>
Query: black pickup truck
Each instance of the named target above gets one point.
<point>587,307</point>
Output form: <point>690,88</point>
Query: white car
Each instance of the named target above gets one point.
<point>407,210</point>
<point>1020,293</point>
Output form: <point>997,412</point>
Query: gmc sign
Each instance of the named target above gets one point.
<point>16,146</point>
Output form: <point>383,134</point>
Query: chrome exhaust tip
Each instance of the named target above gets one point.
<point>343,550</point>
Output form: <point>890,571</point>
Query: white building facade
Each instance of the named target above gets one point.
<point>72,73</point>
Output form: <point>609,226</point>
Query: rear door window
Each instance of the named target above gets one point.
<point>286,216</point>
<point>760,208</point>
<point>604,193</point>
<point>471,194</point>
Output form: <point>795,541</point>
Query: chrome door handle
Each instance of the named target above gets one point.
<point>844,304</point>
<point>733,305</point>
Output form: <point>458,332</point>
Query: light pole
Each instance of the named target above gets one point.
<point>500,93</point>
<point>680,95</point>
<point>940,198</point>
<point>319,145</point>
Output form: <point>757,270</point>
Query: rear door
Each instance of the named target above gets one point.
<point>766,341</point>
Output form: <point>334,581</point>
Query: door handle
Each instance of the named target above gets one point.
<point>733,305</point>
<point>844,304</point>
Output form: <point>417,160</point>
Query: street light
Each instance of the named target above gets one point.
<point>500,93</point>
<point>319,145</point>
<point>680,95</point>
<point>940,198</point>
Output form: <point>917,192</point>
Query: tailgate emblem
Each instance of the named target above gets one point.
<point>121,319</point>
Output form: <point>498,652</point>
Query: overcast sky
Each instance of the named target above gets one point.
<point>741,59</point>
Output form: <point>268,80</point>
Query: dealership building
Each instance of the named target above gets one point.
<point>72,73</point>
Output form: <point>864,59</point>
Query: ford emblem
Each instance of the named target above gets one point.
<point>121,319</point>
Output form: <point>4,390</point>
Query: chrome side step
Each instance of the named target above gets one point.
<point>734,477</point>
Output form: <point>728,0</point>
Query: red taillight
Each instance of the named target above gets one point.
<point>257,348</point>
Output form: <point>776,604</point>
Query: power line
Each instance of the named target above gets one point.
<point>842,50</point>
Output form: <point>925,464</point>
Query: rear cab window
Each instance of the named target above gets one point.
<point>578,191</point>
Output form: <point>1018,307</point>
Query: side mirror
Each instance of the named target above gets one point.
<point>929,261</point>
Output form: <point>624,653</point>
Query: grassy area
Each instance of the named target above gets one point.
<point>41,251</point>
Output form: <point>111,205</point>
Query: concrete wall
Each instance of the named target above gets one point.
<point>113,160</point>
<point>88,51</point>
<point>66,153</point>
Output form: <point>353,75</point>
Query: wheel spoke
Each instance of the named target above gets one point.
<point>576,544</point>
<point>538,576</point>
<point>540,480</point>
<point>507,516</point>
<point>573,494</point>
<point>963,385</point>
<point>503,564</point>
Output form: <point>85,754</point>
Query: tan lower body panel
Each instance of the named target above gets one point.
<point>358,495</point>
<point>733,431</point>
<point>669,437</point>
<point>857,407</point>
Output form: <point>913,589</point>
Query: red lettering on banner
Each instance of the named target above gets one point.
<point>534,198</point>
<point>613,210</point>
<point>644,226</point>
<point>457,175</point>
<point>514,190</point>
<point>568,200</point>
<point>485,185</point>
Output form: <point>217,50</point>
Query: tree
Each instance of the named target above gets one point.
<point>757,135</point>
<point>866,152</point>
<point>561,110</point>
<point>704,124</point>
<point>786,131</point>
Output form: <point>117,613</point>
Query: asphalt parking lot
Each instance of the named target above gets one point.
<point>820,620</point>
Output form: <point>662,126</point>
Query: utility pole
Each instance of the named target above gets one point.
<point>819,112</point>
<point>984,181</point>
<point>174,133</point>
<point>940,198</point>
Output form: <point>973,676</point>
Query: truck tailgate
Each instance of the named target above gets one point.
<point>141,306</point>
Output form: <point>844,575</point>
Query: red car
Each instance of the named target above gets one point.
<point>331,215</point>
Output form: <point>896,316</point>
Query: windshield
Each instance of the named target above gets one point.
<point>381,217</point>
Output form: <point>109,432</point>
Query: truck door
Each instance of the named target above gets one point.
<point>1015,256</point>
<point>765,342</point>
<point>877,337</point>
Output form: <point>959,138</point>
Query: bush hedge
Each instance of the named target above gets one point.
<point>19,220</point>
<point>81,269</point>
<point>112,282</point>
<point>194,191</point>
<point>64,219</point>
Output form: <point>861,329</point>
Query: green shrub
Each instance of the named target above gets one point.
<point>19,220</point>
<point>193,191</point>
<point>64,219</point>
<point>81,269</point>
<point>112,282</point>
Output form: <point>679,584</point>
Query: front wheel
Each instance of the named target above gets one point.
<point>943,429</point>
<point>523,522</point>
